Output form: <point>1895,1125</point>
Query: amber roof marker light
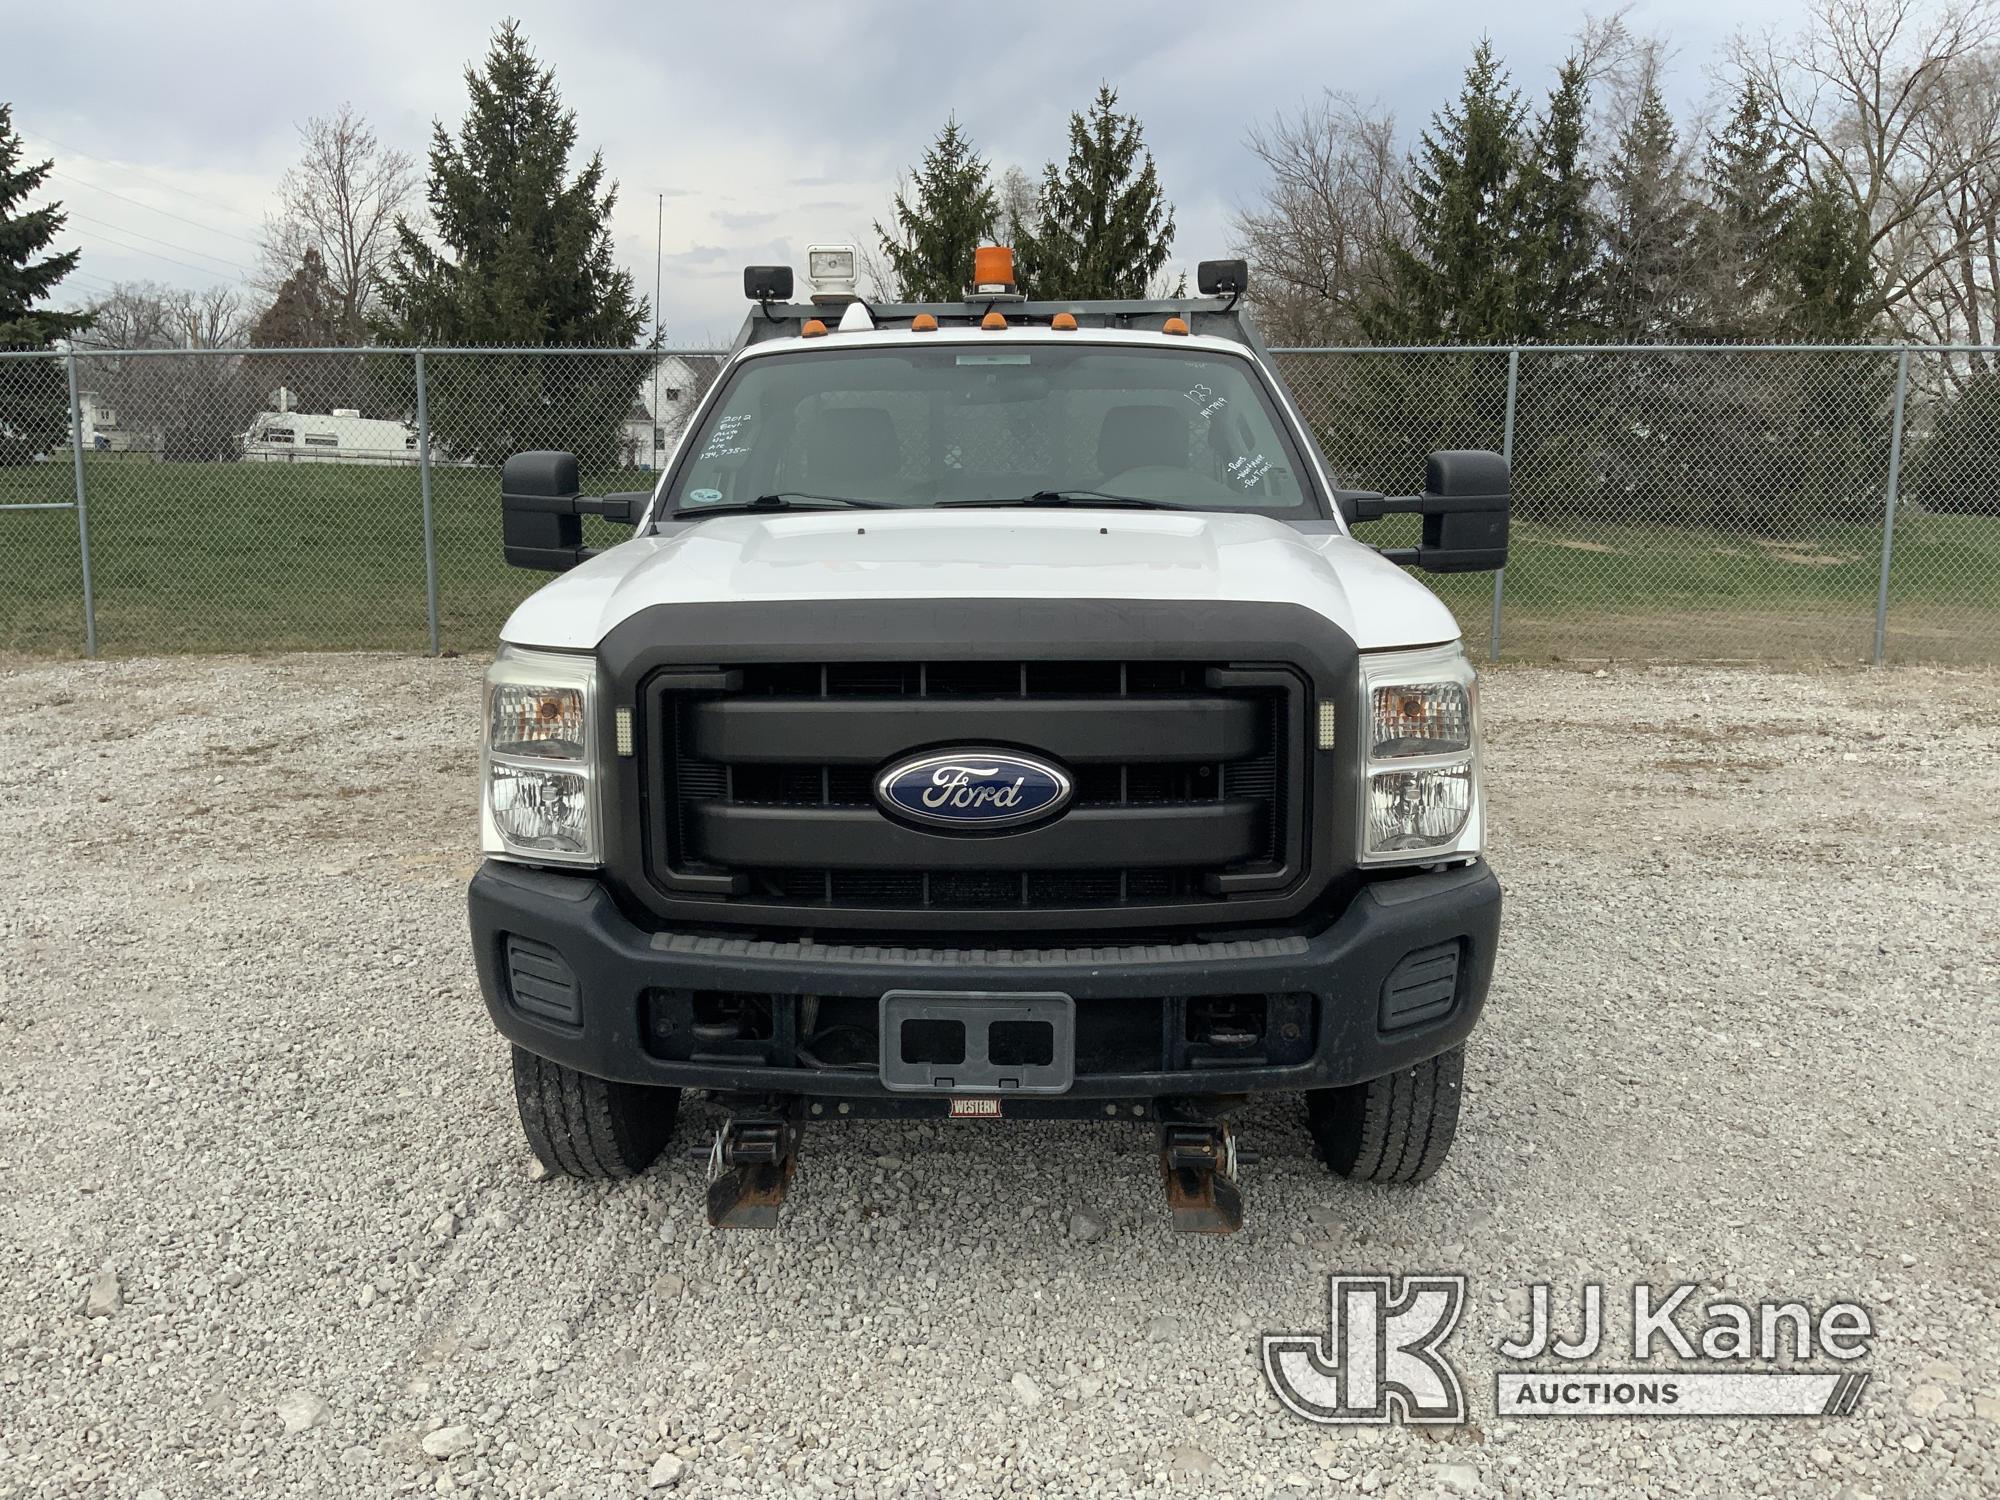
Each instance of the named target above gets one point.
<point>992,321</point>
<point>1063,323</point>
<point>923,323</point>
<point>1175,325</point>
<point>814,329</point>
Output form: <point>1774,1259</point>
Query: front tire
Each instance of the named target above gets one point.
<point>588,1127</point>
<point>1393,1129</point>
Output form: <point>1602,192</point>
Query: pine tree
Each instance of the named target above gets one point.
<point>308,312</point>
<point>1748,184</point>
<point>304,314</point>
<point>526,259</point>
<point>951,211</point>
<point>1105,227</point>
<point>1559,234</point>
<point>1952,468</point>
<point>1650,229</point>
<point>1830,282</point>
<point>34,401</point>
<point>1456,280</point>
<point>527,253</point>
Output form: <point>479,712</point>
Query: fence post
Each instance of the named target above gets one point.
<point>430,530</point>
<point>1506,452</point>
<point>82,511</point>
<point>1889,498</point>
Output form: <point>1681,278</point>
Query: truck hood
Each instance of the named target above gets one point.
<point>986,554</point>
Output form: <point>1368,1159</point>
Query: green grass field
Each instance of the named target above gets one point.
<point>268,557</point>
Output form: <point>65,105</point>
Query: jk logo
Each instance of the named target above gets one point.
<point>1379,1361</point>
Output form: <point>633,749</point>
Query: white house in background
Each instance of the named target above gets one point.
<point>341,436</point>
<point>102,431</point>
<point>666,399</point>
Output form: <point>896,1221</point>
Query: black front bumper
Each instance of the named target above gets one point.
<point>581,983</point>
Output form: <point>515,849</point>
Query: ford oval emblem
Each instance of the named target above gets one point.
<point>973,790</point>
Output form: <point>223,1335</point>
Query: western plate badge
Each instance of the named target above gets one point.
<point>973,790</point>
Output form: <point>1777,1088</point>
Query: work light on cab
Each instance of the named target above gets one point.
<point>830,272</point>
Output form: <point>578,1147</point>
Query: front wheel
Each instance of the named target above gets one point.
<point>589,1127</point>
<point>1393,1129</point>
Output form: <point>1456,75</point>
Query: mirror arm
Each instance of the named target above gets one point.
<point>619,507</point>
<point>1371,506</point>
<point>1359,505</point>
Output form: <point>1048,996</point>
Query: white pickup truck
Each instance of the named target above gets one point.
<point>992,716</point>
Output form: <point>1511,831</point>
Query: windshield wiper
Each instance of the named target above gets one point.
<point>1087,498</point>
<point>789,500</point>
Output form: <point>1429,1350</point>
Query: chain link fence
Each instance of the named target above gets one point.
<point>1700,503</point>
<point>1671,503</point>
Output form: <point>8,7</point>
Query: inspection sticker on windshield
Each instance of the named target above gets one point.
<point>702,497</point>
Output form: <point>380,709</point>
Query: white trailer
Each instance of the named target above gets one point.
<point>341,436</point>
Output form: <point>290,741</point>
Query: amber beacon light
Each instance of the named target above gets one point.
<point>993,269</point>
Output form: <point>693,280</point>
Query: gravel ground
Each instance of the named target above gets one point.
<point>251,1111</point>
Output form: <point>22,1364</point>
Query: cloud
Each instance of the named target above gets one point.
<point>701,255</point>
<point>743,221</point>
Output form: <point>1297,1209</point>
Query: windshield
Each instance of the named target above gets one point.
<point>960,424</point>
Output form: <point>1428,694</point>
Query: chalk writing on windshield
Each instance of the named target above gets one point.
<point>1249,470</point>
<point>722,441</point>
<point>1204,397</point>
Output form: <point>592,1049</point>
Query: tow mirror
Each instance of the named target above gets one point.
<point>542,511</point>
<point>1468,493</point>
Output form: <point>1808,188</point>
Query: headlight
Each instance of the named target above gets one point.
<point>540,797</point>
<point>1421,800</point>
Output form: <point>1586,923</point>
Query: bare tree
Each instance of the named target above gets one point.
<point>217,318</point>
<point>1334,201</point>
<point>1961,303</point>
<point>137,315</point>
<point>341,199</point>
<point>185,407</point>
<point>1624,66</point>
<point>147,315</point>
<point>1020,202</point>
<point>1867,93</point>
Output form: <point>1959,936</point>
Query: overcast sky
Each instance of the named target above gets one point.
<point>767,126</point>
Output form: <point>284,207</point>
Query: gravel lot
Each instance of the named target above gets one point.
<point>1743,1033</point>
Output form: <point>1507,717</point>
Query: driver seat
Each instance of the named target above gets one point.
<point>852,451</point>
<point>1135,437</point>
